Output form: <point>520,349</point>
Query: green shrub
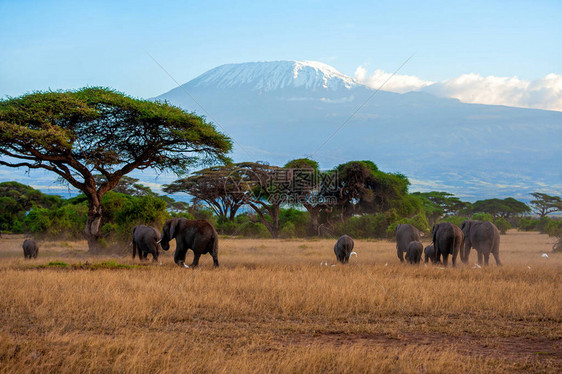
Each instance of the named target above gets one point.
<point>553,227</point>
<point>482,217</point>
<point>502,224</point>
<point>365,226</point>
<point>287,231</point>
<point>227,227</point>
<point>527,224</point>
<point>456,220</point>
<point>255,230</point>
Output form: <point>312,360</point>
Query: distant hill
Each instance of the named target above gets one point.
<point>277,111</point>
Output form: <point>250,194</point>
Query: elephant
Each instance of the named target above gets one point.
<point>405,234</point>
<point>447,240</point>
<point>343,248</point>
<point>30,248</point>
<point>414,252</point>
<point>429,254</point>
<point>198,235</point>
<point>146,240</point>
<point>484,237</point>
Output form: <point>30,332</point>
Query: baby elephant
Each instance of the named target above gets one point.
<point>429,253</point>
<point>343,248</point>
<point>146,240</point>
<point>414,252</point>
<point>30,248</point>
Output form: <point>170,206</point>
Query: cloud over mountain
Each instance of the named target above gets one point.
<point>542,93</point>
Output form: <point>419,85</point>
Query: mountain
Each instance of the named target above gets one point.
<point>277,111</point>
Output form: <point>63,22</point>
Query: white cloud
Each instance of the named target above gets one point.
<point>542,93</point>
<point>398,83</point>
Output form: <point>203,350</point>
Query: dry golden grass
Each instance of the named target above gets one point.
<point>271,307</point>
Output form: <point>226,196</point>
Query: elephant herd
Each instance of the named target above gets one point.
<point>198,235</point>
<point>201,237</point>
<point>449,239</point>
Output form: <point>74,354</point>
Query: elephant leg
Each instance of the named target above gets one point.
<point>215,260</point>
<point>195,261</point>
<point>497,257</point>
<point>479,257</point>
<point>465,255</point>
<point>179,256</point>
<point>445,259</point>
<point>455,254</point>
<point>486,258</point>
<point>154,256</point>
<point>400,254</point>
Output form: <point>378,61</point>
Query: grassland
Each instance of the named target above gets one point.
<point>272,307</point>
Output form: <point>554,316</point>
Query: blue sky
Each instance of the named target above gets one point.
<point>70,44</point>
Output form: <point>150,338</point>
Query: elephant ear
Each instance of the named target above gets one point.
<point>173,227</point>
<point>434,232</point>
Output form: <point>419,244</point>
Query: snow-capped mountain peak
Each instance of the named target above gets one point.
<point>273,75</point>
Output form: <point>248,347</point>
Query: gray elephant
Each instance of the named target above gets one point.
<point>414,252</point>
<point>429,254</point>
<point>447,240</point>
<point>405,234</point>
<point>484,237</point>
<point>343,248</point>
<point>198,235</point>
<point>30,248</point>
<point>146,240</point>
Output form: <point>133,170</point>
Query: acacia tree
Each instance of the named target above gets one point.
<point>363,188</point>
<point>262,187</point>
<point>218,186</point>
<point>77,134</point>
<point>545,204</point>
<point>505,208</point>
<point>311,189</point>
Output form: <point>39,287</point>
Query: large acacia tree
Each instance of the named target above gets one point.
<point>78,134</point>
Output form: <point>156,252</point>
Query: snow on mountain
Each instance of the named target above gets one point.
<point>273,75</point>
<point>277,111</point>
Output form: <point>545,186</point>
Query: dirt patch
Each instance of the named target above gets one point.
<point>506,348</point>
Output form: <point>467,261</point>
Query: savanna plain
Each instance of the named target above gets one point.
<point>278,306</point>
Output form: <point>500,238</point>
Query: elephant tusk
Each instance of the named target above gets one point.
<point>186,266</point>
<point>158,242</point>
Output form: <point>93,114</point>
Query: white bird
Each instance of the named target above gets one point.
<point>353,253</point>
<point>386,264</point>
<point>333,265</point>
<point>528,267</point>
<point>476,266</point>
<point>544,255</point>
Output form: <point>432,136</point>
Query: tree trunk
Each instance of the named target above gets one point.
<point>314,212</point>
<point>275,221</point>
<point>92,232</point>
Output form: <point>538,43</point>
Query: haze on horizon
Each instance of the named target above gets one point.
<point>500,53</point>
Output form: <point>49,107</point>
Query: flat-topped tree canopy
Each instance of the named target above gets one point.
<point>96,130</point>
